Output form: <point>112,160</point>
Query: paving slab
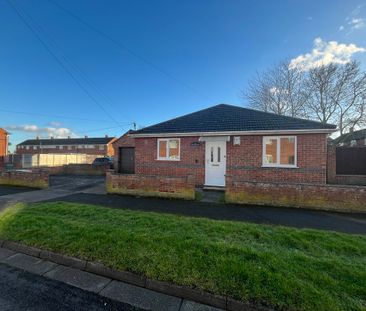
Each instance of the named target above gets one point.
<point>4,253</point>
<point>188,305</point>
<point>84,280</point>
<point>29,263</point>
<point>141,297</point>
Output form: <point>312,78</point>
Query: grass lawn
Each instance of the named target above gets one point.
<point>289,269</point>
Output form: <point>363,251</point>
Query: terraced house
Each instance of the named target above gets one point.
<point>254,156</point>
<point>60,151</point>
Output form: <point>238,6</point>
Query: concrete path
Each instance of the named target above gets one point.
<point>48,286</point>
<point>299,218</point>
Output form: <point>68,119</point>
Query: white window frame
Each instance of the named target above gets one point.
<point>353,143</point>
<point>278,138</point>
<point>167,149</point>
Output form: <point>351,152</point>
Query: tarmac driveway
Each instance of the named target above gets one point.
<point>5,190</point>
<point>60,186</point>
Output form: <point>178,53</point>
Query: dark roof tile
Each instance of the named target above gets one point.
<point>67,141</point>
<point>231,118</point>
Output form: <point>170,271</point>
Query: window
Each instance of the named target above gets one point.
<point>101,147</point>
<point>364,142</point>
<point>169,149</point>
<point>353,143</point>
<point>279,151</point>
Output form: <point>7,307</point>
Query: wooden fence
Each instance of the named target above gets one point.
<point>351,161</point>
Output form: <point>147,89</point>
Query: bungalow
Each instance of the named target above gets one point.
<point>229,140</point>
<point>214,145</point>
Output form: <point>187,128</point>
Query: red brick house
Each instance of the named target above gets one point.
<point>227,140</point>
<point>4,145</point>
<point>59,151</point>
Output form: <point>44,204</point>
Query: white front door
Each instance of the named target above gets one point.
<point>215,168</point>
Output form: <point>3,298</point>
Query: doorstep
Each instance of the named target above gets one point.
<point>214,188</point>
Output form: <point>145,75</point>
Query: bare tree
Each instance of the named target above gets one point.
<point>333,93</point>
<point>320,86</point>
<point>337,95</point>
<point>278,90</point>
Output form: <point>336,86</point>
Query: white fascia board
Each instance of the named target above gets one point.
<point>242,133</point>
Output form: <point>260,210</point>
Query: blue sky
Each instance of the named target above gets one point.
<point>181,56</point>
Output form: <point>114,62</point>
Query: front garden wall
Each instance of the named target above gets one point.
<point>33,179</point>
<point>181,187</point>
<point>315,196</point>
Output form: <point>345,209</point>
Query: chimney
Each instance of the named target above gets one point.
<point>86,136</point>
<point>51,137</point>
<point>106,136</point>
<point>351,129</point>
<point>37,137</point>
<point>68,137</point>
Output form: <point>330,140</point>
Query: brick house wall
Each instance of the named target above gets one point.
<point>3,146</point>
<point>3,142</point>
<point>244,160</point>
<point>192,159</point>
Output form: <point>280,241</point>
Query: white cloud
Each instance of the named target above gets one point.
<point>60,132</point>
<point>55,124</point>
<point>357,23</point>
<point>341,28</point>
<point>325,53</point>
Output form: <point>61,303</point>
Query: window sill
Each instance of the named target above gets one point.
<point>279,166</point>
<point>174,160</point>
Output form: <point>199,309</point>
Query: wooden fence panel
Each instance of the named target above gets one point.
<point>351,161</point>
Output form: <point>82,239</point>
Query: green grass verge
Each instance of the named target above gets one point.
<point>289,269</point>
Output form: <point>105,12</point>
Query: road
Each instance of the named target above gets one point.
<point>21,290</point>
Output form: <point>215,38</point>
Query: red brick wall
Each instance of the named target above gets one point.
<point>151,185</point>
<point>192,159</point>
<point>3,146</point>
<point>3,142</point>
<point>244,160</point>
<point>34,179</point>
<point>328,197</point>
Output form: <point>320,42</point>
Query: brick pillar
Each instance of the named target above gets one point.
<point>228,181</point>
<point>331,164</point>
